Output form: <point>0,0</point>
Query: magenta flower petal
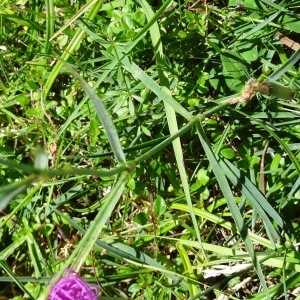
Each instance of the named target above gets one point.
<point>73,287</point>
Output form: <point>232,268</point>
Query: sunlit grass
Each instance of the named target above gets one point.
<point>134,152</point>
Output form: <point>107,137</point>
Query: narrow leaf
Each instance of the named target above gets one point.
<point>103,116</point>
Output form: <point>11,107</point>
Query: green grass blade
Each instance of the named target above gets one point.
<point>260,26</point>
<point>258,201</point>
<point>151,20</point>
<point>8,270</point>
<point>170,113</point>
<point>285,67</point>
<point>223,223</point>
<point>77,110</point>
<point>124,251</point>
<point>162,92</point>
<point>50,15</point>
<point>278,289</point>
<point>239,221</point>
<point>9,192</point>
<point>72,46</point>
<point>168,140</point>
<point>91,5</point>
<point>82,250</point>
<point>193,290</point>
<point>103,116</point>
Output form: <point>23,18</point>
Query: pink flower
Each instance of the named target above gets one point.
<point>73,287</point>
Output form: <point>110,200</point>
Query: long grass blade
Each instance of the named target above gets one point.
<point>103,115</point>
<point>239,221</point>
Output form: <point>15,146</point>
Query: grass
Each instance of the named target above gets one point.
<point>134,151</point>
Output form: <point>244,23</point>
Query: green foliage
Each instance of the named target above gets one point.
<point>121,157</point>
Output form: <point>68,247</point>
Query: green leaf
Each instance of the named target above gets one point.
<point>233,70</point>
<point>23,100</point>
<point>10,191</point>
<point>228,153</point>
<point>134,288</point>
<point>250,54</point>
<point>182,34</point>
<point>148,293</point>
<point>146,130</point>
<point>36,112</point>
<point>232,64</point>
<point>245,3</point>
<point>159,206</point>
<point>291,22</point>
<point>202,177</point>
<point>141,218</point>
